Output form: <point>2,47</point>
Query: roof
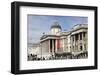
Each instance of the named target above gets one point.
<point>55,25</point>
<point>80,26</point>
<point>45,36</point>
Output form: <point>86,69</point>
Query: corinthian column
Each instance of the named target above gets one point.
<point>82,42</point>
<point>79,42</point>
<point>74,42</point>
<point>56,45</point>
<point>52,46</point>
<point>49,46</point>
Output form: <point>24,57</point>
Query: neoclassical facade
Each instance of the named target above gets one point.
<point>79,38</point>
<point>74,41</point>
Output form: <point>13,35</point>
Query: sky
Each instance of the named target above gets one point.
<point>39,24</point>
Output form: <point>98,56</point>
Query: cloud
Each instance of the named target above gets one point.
<point>37,24</point>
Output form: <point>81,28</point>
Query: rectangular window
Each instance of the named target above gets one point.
<point>76,37</point>
<point>84,34</point>
<point>80,36</point>
<point>81,48</point>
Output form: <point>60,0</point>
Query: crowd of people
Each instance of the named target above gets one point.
<point>33,57</point>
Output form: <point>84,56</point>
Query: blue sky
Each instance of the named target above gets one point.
<point>37,24</point>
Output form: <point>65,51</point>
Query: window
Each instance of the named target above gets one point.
<point>84,34</point>
<point>76,37</point>
<point>80,36</point>
<point>81,48</point>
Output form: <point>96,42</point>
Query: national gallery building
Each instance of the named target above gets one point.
<point>61,44</point>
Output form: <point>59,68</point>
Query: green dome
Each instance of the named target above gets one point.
<point>55,25</point>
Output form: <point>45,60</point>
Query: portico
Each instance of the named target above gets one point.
<point>79,40</point>
<point>52,44</point>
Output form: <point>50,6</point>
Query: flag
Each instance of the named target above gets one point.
<point>58,44</point>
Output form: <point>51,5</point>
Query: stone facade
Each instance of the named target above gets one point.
<point>72,42</point>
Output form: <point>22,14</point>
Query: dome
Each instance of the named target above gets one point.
<point>79,26</point>
<point>55,25</point>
